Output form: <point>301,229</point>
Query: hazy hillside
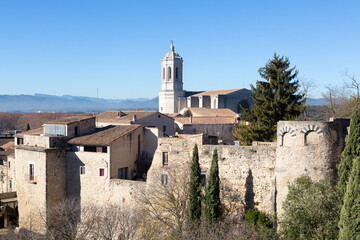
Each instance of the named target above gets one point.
<point>71,104</point>
<point>76,104</point>
<point>18,121</point>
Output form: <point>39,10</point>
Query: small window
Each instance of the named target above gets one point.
<point>164,179</point>
<point>104,149</point>
<point>82,170</point>
<point>169,72</point>
<point>10,184</point>
<point>9,164</point>
<point>89,148</point>
<point>101,172</point>
<point>76,131</point>
<point>164,128</point>
<point>20,141</point>
<point>176,73</point>
<point>163,73</point>
<point>31,172</point>
<point>75,148</point>
<point>123,173</point>
<point>165,158</point>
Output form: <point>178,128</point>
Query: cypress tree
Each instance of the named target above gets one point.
<point>351,151</point>
<point>349,223</point>
<point>195,188</point>
<point>213,210</point>
<point>277,98</point>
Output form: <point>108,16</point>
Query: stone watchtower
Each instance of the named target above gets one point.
<point>171,94</point>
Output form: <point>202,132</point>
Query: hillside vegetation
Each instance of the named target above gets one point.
<point>19,121</point>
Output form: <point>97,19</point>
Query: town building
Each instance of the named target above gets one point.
<point>173,98</point>
<point>218,124</point>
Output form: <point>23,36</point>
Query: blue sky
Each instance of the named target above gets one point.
<point>74,47</point>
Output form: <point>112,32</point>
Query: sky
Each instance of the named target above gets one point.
<point>74,47</point>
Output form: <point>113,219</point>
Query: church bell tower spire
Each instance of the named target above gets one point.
<point>171,94</point>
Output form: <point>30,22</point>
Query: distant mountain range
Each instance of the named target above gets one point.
<point>71,104</point>
<point>76,104</point>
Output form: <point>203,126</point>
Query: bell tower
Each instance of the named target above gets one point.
<point>171,95</point>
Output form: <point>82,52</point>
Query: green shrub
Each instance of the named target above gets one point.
<point>257,218</point>
<point>311,210</point>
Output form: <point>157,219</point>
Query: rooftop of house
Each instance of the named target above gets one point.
<point>71,119</point>
<point>9,146</point>
<point>217,92</point>
<point>123,116</point>
<point>172,115</point>
<point>36,131</point>
<point>104,136</point>
<point>204,120</point>
<point>210,112</point>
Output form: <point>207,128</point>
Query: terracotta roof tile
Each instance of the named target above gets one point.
<point>205,120</point>
<point>9,145</point>
<point>71,119</point>
<point>36,131</point>
<point>104,136</point>
<point>217,92</point>
<point>123,116</point>
<point>210,112</point>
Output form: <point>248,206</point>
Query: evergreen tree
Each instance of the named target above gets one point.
<point>213,209</point>
<point>351,151</point>
<point>277,98</point>
<point>195,188</point>
<point>28,127</point>
<point>349,223</point>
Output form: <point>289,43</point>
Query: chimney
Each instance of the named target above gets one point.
<point>134,119</point>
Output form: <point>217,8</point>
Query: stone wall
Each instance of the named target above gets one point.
<point>223,131</point>
<point>307,147</point>
<point>246,173</point>
<point>84,126</point>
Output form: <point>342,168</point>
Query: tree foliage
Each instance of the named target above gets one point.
<point>350,152</point>
<point>195,188</point>
<point>349,223</point>
<point>213,208</point>
<point>276,98</point>
<point>311,210</point>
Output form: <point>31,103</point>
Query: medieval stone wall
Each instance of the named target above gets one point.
<point>307,147</point>
<point>246,173</point>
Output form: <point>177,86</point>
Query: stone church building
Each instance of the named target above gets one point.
<point>172,97</point>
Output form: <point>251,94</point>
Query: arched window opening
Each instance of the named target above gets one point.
<point>163,73</point>
<point>311,138</point>
<point>286,140</point>
<point>176,74</point>
<point>169,72</point>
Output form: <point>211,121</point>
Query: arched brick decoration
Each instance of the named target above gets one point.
<point>312,128</point>
<point>287,130</point>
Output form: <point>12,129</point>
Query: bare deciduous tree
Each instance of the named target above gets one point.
<point>68,220</point>
<point>355,84</point>
<point>166,200</point>
<point>338,101</point>
<point>306,87</point>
